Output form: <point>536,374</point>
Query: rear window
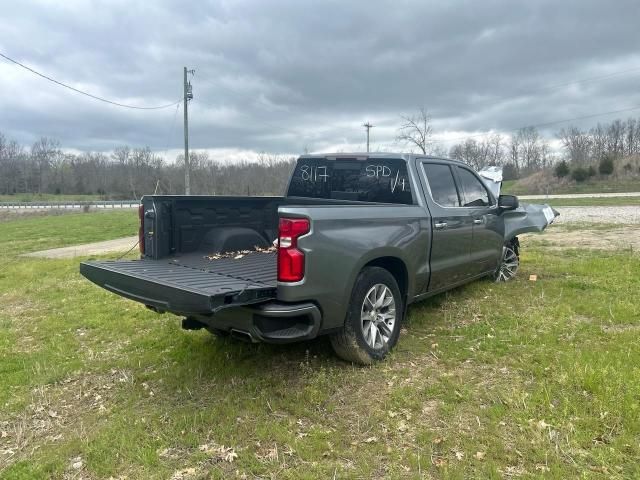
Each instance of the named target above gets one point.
<point>373,180</point>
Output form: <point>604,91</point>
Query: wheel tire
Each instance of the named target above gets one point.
<point>350,343</point>
<point>509,262</point>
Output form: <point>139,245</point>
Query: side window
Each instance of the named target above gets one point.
<point>441,184</point>
<point>475,193</point>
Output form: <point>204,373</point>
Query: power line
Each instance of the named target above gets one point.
<point>504,99</point>
<point>545,124</point>
<point>560,85</point>
<point>243,97</point>
<point>95,97</point>
<point>173,123</point>
<point>586,80</point>
<point>540,89</point>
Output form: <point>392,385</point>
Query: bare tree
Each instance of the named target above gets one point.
<point>514,152</point>
<point>42,154</point>
<point>12,160</point>
<point>615,140</point>
<point>495,149</point>
<point>577,143</point>
<point>530,149</point>
<point>479,154</point>
<point>416,131</point>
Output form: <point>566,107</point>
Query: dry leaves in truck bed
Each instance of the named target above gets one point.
<point>237,255</point>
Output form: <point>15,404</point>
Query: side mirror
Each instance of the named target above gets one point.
<point>508,202</point>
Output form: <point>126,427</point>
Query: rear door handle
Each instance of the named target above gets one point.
<point>440,225</point>
<point>477,221</point>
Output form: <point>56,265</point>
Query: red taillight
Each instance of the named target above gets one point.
<point>141,229</point>
<point>290,258</point>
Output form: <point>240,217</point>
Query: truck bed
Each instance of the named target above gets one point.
<point>179,232</point>
<point>190,283</point>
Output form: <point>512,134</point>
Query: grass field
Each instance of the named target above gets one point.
<point>49,231</point>
<point>534,379</point>
<point>590,186</point>
<point>588,202</point>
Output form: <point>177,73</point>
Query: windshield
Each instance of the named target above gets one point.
<point>371,180</point>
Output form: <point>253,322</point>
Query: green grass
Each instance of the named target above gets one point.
<point>508,187</point>
<point>589,202</point>
<point>23,235</point>
<point>540,379</point>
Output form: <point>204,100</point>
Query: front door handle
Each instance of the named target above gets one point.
<point>477,221</point>
<point>440,225</point>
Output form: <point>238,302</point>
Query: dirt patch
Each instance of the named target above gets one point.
<point>87,249</point>
<point>625,237</point>
<point>620,328</point>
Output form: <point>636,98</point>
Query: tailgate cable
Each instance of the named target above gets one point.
<point>128,251</point>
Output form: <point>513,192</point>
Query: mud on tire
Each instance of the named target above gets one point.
<point>372,325</point>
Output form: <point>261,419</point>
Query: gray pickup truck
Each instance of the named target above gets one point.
<point>356,239</point>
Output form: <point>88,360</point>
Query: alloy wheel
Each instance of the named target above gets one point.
<point>378,316</point>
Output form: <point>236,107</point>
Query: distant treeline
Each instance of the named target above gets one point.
<point>131,173</point>
<point>526,151</point>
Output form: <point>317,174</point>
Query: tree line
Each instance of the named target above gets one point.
<point>526,151</point>
<point>132,172</point>
<point>126,173</point>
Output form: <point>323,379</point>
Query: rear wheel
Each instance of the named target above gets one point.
<point>372,325</point>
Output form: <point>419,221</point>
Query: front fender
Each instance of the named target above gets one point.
<point>528,218</point>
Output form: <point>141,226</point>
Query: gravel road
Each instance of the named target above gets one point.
<point>612,214</point>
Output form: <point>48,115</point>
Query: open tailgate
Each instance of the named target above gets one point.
<point>190,284</point>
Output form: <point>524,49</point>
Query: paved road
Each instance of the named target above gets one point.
<point>120,245</point>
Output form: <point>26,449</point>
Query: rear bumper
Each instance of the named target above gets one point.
<point>218,299</point>
<point>272,322</point>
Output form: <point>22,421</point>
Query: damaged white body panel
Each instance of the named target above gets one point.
<point>527,217</point>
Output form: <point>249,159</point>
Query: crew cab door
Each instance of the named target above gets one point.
<point>452,226</point>
<point>487,237</point>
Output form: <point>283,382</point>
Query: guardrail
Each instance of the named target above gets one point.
<point>70,205</point>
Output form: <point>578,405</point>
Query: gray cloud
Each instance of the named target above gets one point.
<point>280,76</point>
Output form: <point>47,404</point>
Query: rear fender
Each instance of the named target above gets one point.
<point>384,252</point>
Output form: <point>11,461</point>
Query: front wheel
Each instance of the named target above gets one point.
<point>372,325</point>
<point>509,263</point>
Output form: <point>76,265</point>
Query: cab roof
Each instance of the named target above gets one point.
<point>373,155</point>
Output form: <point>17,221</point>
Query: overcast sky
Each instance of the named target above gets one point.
<point>284,76</point>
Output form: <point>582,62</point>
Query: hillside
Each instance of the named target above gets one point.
<point>625,178</point>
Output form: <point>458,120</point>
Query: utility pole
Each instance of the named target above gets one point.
<point>188,95</point>
<point>368,126</point>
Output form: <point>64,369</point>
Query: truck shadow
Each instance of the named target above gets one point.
<point>220,358</point>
